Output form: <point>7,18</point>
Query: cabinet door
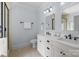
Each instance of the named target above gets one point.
<point>48,41</point>
<point>41,50</point>
<point>41,45</point>
<point>56,52</point>
<point>61,50</point>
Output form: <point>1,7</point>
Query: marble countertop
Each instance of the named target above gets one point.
<point>68,42</point>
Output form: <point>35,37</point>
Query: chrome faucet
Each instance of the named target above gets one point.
<point>70,37</point>
<point>75,38</point>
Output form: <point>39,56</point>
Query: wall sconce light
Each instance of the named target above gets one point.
<point>48,10</point>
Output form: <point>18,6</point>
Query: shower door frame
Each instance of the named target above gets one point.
<point>3,20</point>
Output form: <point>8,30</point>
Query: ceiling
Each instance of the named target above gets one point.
<point>33,4</point>
<point>72,9</point>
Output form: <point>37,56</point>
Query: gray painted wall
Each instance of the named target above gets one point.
<point>58,13</point>
<point>21,37</point>
<point>0,13</point>
<point>43,17</point>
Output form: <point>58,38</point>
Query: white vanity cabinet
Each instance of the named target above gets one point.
<point>44,46</point>
<point>56,52</point>
<point>59,50</point>
<point>50,47</point>
<point>64,50</point>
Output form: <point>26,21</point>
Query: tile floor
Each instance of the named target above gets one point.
<point>24,52</point>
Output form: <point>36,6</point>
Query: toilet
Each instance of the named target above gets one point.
<point>34,43</point>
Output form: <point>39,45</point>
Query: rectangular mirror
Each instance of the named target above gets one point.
<point>70,16</point>
<point>50,22</point>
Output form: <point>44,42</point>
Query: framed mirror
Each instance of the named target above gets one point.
<point>70,16</point>
<point>50,22</point>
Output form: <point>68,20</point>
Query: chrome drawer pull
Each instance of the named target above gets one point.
<point>40,41</point>
<point>62,53</point>
<point>46,56</point>
<point>48,48</point>
<point>48,41</point>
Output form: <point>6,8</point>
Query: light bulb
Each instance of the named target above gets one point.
<point>47,11</point>
<point>51,9</point>
<point>44,12</point>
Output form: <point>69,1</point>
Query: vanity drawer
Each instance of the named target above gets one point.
<point>60,45</point>
<point>74,53</point>
<point>48,50</point>
<point>47,54</point>
<point>56,52</point>
<point>48,41</point>
<point>63,50</point>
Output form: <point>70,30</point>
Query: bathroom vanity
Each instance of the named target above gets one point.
<point>56,46</point>
<point>60,44</point>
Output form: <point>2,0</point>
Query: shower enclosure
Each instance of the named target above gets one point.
<point>4,23</point>
<point>4,11</point>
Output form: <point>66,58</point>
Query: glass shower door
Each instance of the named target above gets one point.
<point>1,20</point>
<point>4,20</point>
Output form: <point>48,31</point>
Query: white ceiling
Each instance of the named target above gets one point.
<point>33,4</point>
<point>72,9</point>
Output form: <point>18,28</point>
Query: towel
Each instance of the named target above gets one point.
<point>27,25</point>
